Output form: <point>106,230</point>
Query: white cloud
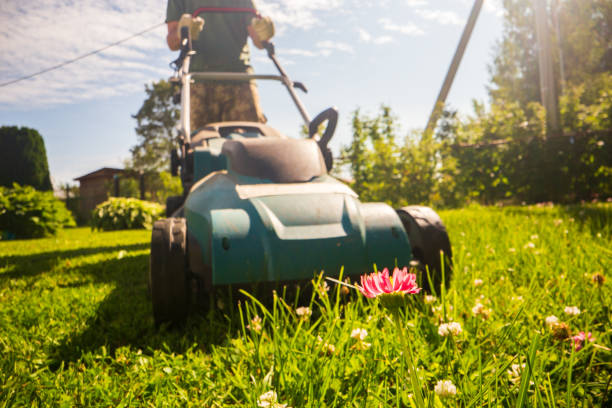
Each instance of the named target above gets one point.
<point>366,37</point>
<point>495,7</point>
<point>416,3</point>
<point>299,52</point>
<point>383,39</point>
<point>54,31</point>
<point>441,17</point>
<point>407,28</point>
<point>328,46</point>
<point>297,13</point>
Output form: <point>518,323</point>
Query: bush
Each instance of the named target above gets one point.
<point>27,213</point>
<point>23,158</point>
<point>126,213</point>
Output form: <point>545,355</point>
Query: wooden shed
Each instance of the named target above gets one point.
<point>94,188</point>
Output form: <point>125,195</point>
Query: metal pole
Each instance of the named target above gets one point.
<point>547,80</point>
<point>452,70</point>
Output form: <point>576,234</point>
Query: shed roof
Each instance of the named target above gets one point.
<point>103,172</point>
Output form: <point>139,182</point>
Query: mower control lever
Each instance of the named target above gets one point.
<point>331,116</point>
<point>300,86</point>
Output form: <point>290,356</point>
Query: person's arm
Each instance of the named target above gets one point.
<point>173,40</point>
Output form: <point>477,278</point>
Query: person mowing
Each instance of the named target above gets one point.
<point>222,47</point>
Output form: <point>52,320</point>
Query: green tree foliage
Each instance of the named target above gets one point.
<point>381,169</point>
<point>498,155</point>
<point>582,47</point>
<point>156,120</point>
<point>23,158</point>
<point>27,213</point>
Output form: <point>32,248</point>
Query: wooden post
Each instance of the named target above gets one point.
<point>141,184</point>
<point>452,70</point>
<point>547,80</point>
<point>116,184</point>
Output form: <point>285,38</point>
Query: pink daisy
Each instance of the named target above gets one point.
<point>379,283</point>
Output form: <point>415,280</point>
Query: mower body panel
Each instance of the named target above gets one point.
<point>252,230</point>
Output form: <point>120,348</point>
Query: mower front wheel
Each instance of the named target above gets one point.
<point>168,271</point>
<point>428,239</point>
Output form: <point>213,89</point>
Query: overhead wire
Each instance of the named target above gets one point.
<point>86,55</point>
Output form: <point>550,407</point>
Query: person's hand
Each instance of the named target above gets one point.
<point>263,27</point>
<point>195,25</point>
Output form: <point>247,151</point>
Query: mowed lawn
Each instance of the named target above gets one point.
<point>76,326</point>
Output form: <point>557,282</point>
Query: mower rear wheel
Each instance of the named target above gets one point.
<point>428,237</point>
<point>168,271</point>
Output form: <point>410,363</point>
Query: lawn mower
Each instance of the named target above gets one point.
<point>259,207</point>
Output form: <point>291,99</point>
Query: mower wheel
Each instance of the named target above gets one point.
<point>168,271</point>
<point>428,237</point>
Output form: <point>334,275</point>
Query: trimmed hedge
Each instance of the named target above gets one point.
<point>23,158</point>
<point>126,213</point>
<point>28,213</point>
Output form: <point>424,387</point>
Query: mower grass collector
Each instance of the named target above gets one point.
<point>261,207</point>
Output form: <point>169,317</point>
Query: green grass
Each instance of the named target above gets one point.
<point>76,326</point>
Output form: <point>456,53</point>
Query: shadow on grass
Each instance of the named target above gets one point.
<point>125,318</point>
<point>592,217</point>
<point>595,217</point>
<point>25,266</point>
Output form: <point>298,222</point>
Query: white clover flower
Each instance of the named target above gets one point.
<point>558,222</point>
<point>480,310</point>
<point>359,334</point>
<point>529,245</point>
<point>452,328</point>
<point>552,321</point>
<point>572,310</point>
<point>269,400</point>
<point>323,288</point>
<point>478,282</point>
<point>255,324</point>
<point>303,312</point>
<point>445,389</point>
<point>515,372</point>
<point>326,348</point>
<point>429,299</point>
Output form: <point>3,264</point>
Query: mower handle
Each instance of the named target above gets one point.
<point>252,11</point>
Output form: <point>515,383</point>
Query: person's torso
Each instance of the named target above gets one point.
<point>222,44</point>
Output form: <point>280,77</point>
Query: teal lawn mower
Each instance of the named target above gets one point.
<point>259,207</point>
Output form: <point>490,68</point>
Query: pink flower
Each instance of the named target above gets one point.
<point>580,338</point>
<point>379,283</point>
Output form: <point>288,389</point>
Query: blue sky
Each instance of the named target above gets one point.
<point>350,53</point>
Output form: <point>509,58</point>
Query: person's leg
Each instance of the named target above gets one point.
<point>209,101</point>
<point>243,103</point>
<point>198,113</point>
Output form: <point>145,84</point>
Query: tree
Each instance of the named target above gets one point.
<point>23,158</point>
<point>156,120</point>
<point>580,48</point>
